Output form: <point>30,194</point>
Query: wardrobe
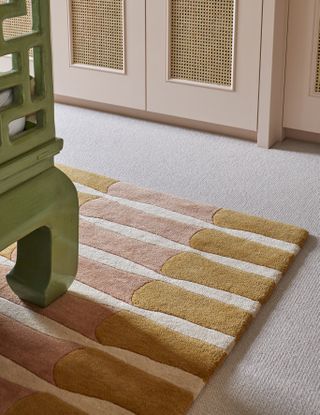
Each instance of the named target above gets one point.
<point>245,68</point>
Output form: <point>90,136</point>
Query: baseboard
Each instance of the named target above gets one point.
<point>302,135</point>
<point>165,119</point>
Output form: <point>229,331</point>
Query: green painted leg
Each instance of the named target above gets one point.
<point>42,214</point>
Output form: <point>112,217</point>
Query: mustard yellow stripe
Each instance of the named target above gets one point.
<point>138,334</point>
<point>85,197</point>
<point>220,243</point>
<point>7,252</point>
<point>192,267</point>
<point>95,181</point>
<point>206,312</point>
<point>94,373</point>
<point>241,221</point>
<point>42,403</point>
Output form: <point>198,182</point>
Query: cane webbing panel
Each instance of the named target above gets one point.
<point>201,40</point>
<point>18,26</point>
<point>97,33</point>
<point>317,89</point>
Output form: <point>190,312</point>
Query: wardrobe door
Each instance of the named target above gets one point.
<point>99,50</point>
<point>302,99</point>
<point>203,59</point>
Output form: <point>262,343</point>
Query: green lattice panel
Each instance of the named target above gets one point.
<point>40,102</point>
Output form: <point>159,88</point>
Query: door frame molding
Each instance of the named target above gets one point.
<point>272,72</point>
<point>315,46</point>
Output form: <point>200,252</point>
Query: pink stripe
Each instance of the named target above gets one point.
<point>149,255</point>
<point>10,393</point>
<point>78,314</point>
<point>74,312</point>
<point>118,213</point>
<point>117,283</point>
<point>35,351</point>
<point>186,207</point>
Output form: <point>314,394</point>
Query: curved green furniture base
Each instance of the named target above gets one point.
<point>42,215</point>
<point>38,203</point>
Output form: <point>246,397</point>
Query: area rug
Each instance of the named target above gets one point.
<point>165,289</point>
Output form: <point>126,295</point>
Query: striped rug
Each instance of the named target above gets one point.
<point>165,289</point>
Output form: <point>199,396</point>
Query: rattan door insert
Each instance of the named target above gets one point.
<point>317,77</point>
<point>98,33</point>
<point>201,41</point>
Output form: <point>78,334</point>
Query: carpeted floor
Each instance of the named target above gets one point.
<point>274,369</point>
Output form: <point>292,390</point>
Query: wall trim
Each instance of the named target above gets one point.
<point>160,118</point>
<point>302,135</point>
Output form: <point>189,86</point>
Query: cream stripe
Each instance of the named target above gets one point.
<point>6,262</point>
<point>21,376</point>
<point>224,341</point>
<point>185,327</point>
<point>154,239</point>
<point>129,266</point>
<point>45,325</point>
<point>168,214</point>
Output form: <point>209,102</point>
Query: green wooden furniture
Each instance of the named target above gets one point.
<point>38,203</point>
